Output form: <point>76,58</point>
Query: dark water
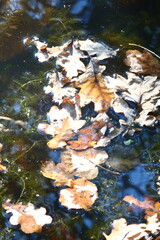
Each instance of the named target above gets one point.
<point>116,22</point>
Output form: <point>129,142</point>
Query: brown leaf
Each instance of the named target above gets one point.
<point>82,195</point>
<point>89,136</point>
<point>146,204</point>
<point>64,133</point>
<point>94,89</point>
<point>83,163</point>
<point>122,231</point>
<point>59,173</point>
<point>149,204</point>
<point>143,63</point>
<point>30,219</point>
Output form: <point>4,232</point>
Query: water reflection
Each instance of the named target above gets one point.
<point>135,182</point>
<point>82,10</point>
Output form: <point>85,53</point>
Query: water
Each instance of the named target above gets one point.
<point>22,79</point>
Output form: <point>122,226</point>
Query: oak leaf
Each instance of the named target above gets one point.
<point>149,204</point>
<point>89,136</point>
<point>45,53</point>
<point>62,127</point>
<point>83,163</point>
<point>143,91</point>
<point>82,195</point>
<point>122,231</point>
<point>63,134</point>
<point>58,90</point>
<point>142,62</point>
<point>30,219</point>
<point>94,89</point>
<point>96,50</point>
<point>60,173</point>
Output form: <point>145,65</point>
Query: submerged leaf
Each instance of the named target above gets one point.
<point>30,219</point>
<point>82,195</point>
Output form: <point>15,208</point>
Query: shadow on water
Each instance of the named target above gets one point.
<point>116,22</point>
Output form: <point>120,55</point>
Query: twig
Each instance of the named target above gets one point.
<point>137,45</point>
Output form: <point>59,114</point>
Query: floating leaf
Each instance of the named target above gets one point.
<point>89,136</point>
<point>82,195</point>
<point>122,231</point>
<point>149,204</point>
<point>97,50</point>
<point>57,88</point>
<point>44,53</point>
<point>63,134</point>
<point>83,163</point>
<point>62,127</point>
<point>59,173</point>
<point>94,89</point>
<point>30,219</point>
<point>143,91</point>
<point>143,63</point>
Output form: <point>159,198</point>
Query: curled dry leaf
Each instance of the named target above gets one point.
<point>82,195</point>
<point>60,173</point>
<point>83,163</point>
<point>143,63</point>
<point>122,231</point>
<point>30,219</point>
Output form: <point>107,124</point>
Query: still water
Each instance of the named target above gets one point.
<point>114,22</point>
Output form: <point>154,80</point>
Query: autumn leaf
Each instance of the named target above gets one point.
<point>83,163</point>
<point>30,219</point>
<point>82,195</point>
<point>64,133</point>
<point>122,231</point>
<point>94,89</point>
<point>143,91</point>
<point>96,50</point>
<point>143,63</point>
<point>149,204</point>
<point>146,204</point>
<point>89,136</point>
<point>57,89</point>
<point>60,173</point>
<point>62,126</point>
<point>44,52</point>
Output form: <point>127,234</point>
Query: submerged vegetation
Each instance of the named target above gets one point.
<point>23,103</point>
